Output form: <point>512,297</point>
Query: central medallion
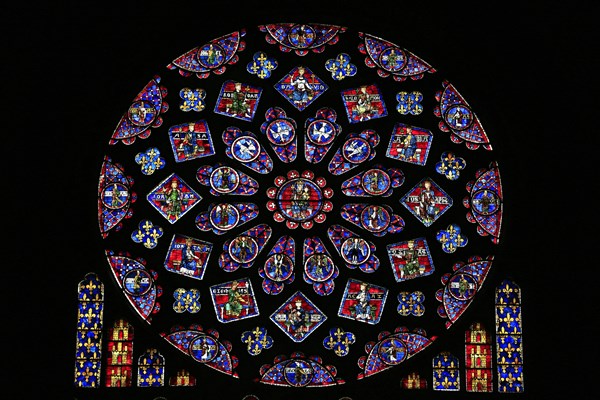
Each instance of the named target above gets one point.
<point>299,199</point>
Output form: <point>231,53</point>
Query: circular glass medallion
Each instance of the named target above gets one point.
<point>392,59</point>
<point>356,150</point>
<point>137,282</point>
<point>392,351</point>
<point>376,182</point>
<point>298,373</point>
<point>279,267</point>
<point>224,179</point>
<point>355,251</point>
<point>141,113</point>
<point>224,216</point>
<point>280,132</point>
<point>115,196</point>
<point>211,55</point>
<point>459,117</point>
<point>320,132</point>
<point>319,267</point>
<point>245,149</point>
<point>375,218</point>
<point>462,286</point>
<point>203,348</point>
<point>300,199</point>
<point>302,36</point>
<point>485,202</point>
<point>243,249</point>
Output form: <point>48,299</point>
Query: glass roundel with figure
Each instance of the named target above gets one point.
<point>299,205</point>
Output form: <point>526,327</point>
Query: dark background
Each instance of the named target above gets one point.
<point>525,69</point>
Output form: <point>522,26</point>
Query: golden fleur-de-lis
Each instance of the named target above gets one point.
<point>256,332</point>
<point>155,234</point>
<point>331,342</point>
<point>446,383</point>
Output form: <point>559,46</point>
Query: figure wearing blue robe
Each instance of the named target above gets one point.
<point>363,309</point>
<point>189,260</point>
<point>410,145</point>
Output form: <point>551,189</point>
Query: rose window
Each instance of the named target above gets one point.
<point>316,192</point>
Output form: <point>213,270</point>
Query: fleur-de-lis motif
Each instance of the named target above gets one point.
<point>409,103</point>
<point>192,99</point>
<point>339,341</point>
<point>411,304</point>
<point>150,161</point>
<point>451,238</point>
<point>340,67</point>
<point>261,65</point>
<point>186,300</point>
<point>450,165</point>
<point>257,340</point>
<point>147,234</point>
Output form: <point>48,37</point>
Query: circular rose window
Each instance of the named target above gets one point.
<point>299,205</point>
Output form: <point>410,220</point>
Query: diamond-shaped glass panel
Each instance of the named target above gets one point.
<point>298,317</point>
<point>426,201</point>
<point>301,87</point>
<point>173,198</point>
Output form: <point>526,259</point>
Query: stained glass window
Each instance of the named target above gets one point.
<point>300,205</point>
<point>119,363</point>
<point>182,378</point>
<point>414,381</point>
<point>88,355</point>
<point>509,338</point>
<point>151,369</point>
<point>478,359</point>
<point>446,373</point>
